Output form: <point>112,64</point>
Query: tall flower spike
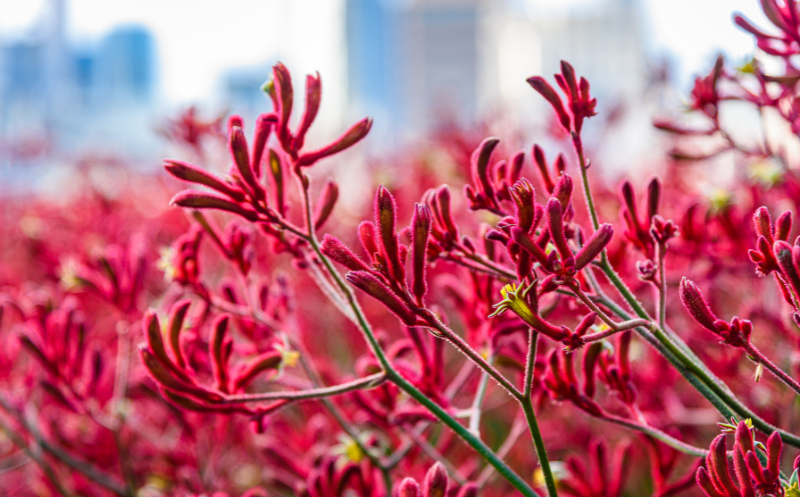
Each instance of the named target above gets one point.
<point>420,229</point>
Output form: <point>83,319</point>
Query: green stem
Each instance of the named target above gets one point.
<point>661,249</point>
<point>530,416</point>
<point>657,434</point>
<point>477,403</point>
<point>473,441</point>
<point>683,355</point>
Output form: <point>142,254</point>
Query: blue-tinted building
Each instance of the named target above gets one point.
<point>411,63</point>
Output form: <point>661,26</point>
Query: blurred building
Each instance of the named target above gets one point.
<point>412,63</point>
<point>59,99</point>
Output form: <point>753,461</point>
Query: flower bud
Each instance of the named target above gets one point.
<point>480,166</point>
<point>325,203</point>
<point>349,138</point>
<point>468,489</point>
<point>218,354</point>
<point>763,224</point>
<point>199,199</point>
<point>421,228</point>
<point>544,173</point>
<point>337,251</point>
<point>563,191</point>
<point>241,157</point>
<point>176,317</point>
<point>744,437</point>
<point>408,488</point>
<point>742,474</point>
<point>590,356</point>
<point>783,226</point>
<point>284,93</point>
<point>369,284</point>
<point>515,165</point>
<point>653,197</point>
<point>522,239</point>
<point>190,173</point>
<point>540,85</point>
<point>599,240</point>
<point>718,465</point>
<point>276,173</point>
<point>446,218</point>
<point>435,483</point>
<point>774,447</point>
<point>556,226</point>
<point>167,378</point>
<point>264,124</point>
<point>523,195</point>
<point>694,302</point>
<point>366,234</point>
<point>784,255</point>
<point>313,98</point>
<point>385,221</point>
<point>704,481</point>
<point>270,360</point>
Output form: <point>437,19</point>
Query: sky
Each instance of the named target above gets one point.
<point>197,41</point>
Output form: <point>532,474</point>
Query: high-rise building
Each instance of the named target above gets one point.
<point>76,98</point>
<point>411,63</point>
<point>414,62</point>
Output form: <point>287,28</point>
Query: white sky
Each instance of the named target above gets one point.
<point>199,40</point>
